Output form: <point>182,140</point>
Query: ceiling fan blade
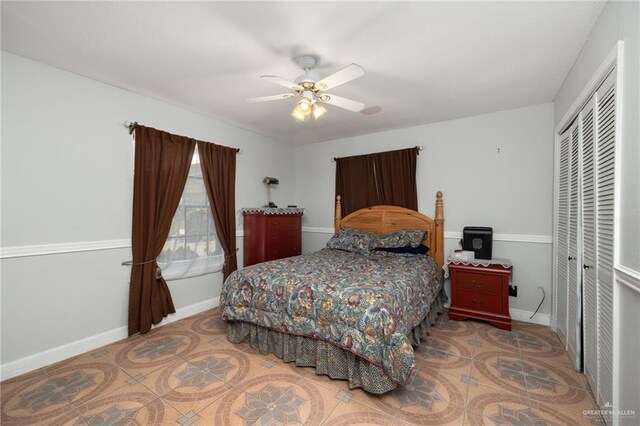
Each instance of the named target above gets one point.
<point>272,98</point>
<point>282,82</point>
<point>348,73</point>
<point>341,102</point>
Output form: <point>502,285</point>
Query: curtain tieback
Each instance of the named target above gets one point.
<point>158,270</point>
<point>228,256</point>
<point>131,263</point>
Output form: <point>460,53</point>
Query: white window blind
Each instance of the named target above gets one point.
<point>192,247</point>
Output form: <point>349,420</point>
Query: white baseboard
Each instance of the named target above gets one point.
<point>520,315</point>
<point>190,310</point>
<point>32,362</point>
<point>42,359</point>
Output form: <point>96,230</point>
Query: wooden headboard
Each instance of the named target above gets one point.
<point>384,219</point>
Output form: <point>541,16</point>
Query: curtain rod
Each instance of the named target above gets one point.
<point>132,125</point>
<point>418,147</point>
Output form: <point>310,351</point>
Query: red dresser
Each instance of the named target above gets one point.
<point>271,234</point>
<point>480,292</point>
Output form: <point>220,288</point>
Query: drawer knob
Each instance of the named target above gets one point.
<point>275,238</point>
<point>477,303</point>
<point>477,284</point>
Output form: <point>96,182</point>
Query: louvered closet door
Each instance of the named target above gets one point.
<point>589,253</point>
<point>574,294</point>
<point>562,237</point>
<point>605,185</point>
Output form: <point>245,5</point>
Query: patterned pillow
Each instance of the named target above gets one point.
<point>353,240</point>
<point>401,238</point>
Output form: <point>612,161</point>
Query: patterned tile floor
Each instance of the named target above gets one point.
<point>187,373</point>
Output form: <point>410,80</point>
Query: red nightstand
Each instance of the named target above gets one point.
<point>480,292</point>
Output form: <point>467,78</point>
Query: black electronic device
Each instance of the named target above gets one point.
<point>268,181</point>
<point>478,239</point>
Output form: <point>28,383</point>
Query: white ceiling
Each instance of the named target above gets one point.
<point>424,61</point>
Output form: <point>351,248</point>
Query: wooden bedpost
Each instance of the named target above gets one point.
<point>439,220</point>
<point>338,216</point>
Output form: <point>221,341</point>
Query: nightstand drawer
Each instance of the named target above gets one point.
<point>481,292</point>
<point>483,283</point>
<point>479,301</point>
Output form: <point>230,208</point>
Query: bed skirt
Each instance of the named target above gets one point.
<point>327,358</point>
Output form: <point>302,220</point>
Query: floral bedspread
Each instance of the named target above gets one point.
<point>367,304</point>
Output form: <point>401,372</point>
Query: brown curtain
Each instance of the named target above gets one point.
<point>380,178</point>
<point>162,162</point>
<point>396,177</point>
<point>219,172</point>
<point>355,183</point>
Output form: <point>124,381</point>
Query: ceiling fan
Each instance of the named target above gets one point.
<point>310,88</point>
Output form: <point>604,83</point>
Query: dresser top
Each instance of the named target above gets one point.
<point>272,210</point>
<point>505,263</point>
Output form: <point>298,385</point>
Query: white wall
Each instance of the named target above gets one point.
<point>494,170</point>
<point>67,173</point>
<point>619,21</point>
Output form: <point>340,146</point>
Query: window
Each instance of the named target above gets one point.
<point>192,247</point>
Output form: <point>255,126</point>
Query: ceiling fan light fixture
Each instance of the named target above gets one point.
<point>302,109</point>
<point>318,110</point>
<point>305,105</point>
<point>298,115</point>
<point>307,87</point>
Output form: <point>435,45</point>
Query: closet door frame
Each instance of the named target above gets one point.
<point>612,64</point>
<point>614,59</point>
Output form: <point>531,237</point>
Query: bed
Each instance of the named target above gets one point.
<point>352,316</point>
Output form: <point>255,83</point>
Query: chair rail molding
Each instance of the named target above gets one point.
<point>628,277</point>
<point>515,238</point>
<point>61,248</point>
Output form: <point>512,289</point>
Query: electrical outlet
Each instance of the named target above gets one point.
<point>513,290</point>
